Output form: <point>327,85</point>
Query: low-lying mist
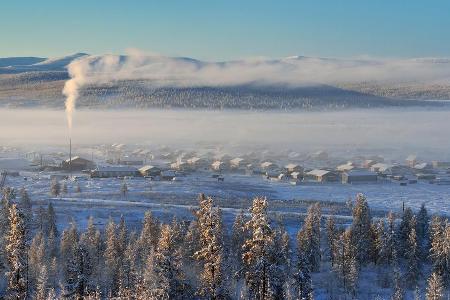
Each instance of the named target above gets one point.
<point>399,131</point>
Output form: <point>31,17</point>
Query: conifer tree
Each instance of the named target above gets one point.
<point>16,250</point>
<point>308,238</point>
<point>27,209</point>
<point>55,188</point>
<point>258,254</point>
<point>403,231</point>
<point>361,230</point>
<point>51,220</point>
<point>412,255</point>
<point>345,266</point>
<point>210,253</point>
<point>42,289</point>
<point>148,239</point>
<point>331,238</point>
<point>36,258</point>
<point>435,288</point>
<point>112,262</point>
<point>164,276</point>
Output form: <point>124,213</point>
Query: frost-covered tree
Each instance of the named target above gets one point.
<point>210,254</point>
<point>16,251</point>
<point>398,291</point>
<point>440,248</point>
<point>331,238</point>
<point>112,261</point>
<point>412,254</point>
<point>361,230</point>
<point>42,289</point>
<point>51,220</point>
<point>308,238</point>
<point>403,231</point>
<point>26,208</point>
<point>302,278</point>
<point>37,257</point>
<point>55,188</point>
<point>163,276</point>
<point>422,223</point>
<point>345,266</point>
<point>91,242</point>
<point>148,239</point>
<point>259,253</point>
<point>435,287</point>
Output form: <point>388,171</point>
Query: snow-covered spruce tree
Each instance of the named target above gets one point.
<point>281,276</point>
<point>112,262</point>
<point>164,278</point>
<point>51,220</point>
<point>308,238</point>
<point>422,224</point>
<point>440,248</point>
<point>55,188</point>
<point>435,287</point>
<point>345,266</point>
<point>259,253</point>
<point>412,254</point>
<point>91,242</point>
<point>69,256</point>
<point>398,292</point>
<point>403,231</point>
<point>331,238</point>
<point>16,251</point>
<point>361,231</point>
<point>235,251</point>
<point>36,258</point>
<point>26,208</point>
<point>42,288</point>
<point>128,272</point>
<point>302,284</point>
<point>148,239</point>
<point>210,254</point>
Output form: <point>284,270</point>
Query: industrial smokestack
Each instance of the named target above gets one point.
<point>70,157</point>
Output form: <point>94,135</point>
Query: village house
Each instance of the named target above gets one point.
<point>114,171</point>
<point>168,175</point>
<point>150,171</point>
<point>359,176</point>
<point>77,164</point>
<point>197,162</point>
<point>179,166</point>
<point>218,165</point>
<point>290,168</point>
<point>268,166</point>
<point>345,167</point>
<point>238,163</point>
<point>319,175</point>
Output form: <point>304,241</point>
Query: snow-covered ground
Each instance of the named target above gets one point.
<point>101,197</point>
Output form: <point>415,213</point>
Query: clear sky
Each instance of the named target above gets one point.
<point>220,30</point>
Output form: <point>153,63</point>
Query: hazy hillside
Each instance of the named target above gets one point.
<point>38,82</point>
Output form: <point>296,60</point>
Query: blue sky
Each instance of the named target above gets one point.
<point>221,30</point>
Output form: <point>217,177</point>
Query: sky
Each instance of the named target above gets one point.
<point>224,30</point>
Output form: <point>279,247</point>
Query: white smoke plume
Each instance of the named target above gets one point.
<point>295,71</point>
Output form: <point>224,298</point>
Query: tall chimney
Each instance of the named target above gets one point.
<point>70,157</point>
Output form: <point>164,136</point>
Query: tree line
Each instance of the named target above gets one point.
<point>256,258</point>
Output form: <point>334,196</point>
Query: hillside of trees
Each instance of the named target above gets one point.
<point>44,89</point>
<point>257,258</point>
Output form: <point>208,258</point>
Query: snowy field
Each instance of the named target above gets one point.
<point>167,199</point>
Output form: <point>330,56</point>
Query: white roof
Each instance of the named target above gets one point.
<point>291,166</point>
<point>217,163</point>
<point>421,166</point>
<point>266,164</point>
<point>193,160</point>
<point>295,174</point>
<point>317,172</point>
<point>236,160</point>
<point>148,167</point>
